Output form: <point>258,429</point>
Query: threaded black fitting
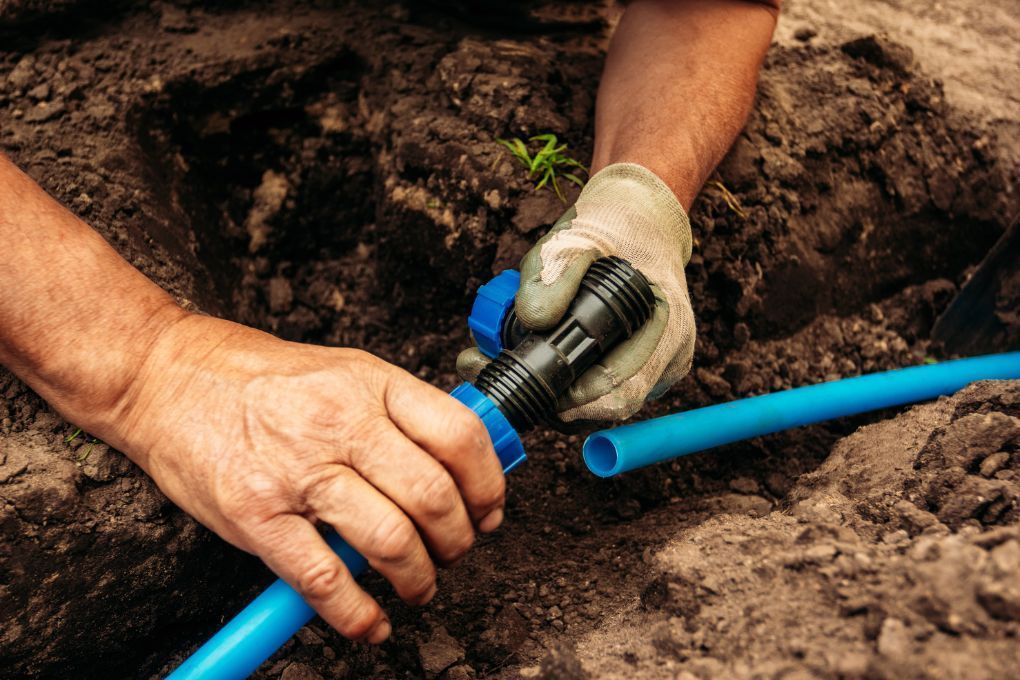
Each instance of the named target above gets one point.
<point>613,301</point>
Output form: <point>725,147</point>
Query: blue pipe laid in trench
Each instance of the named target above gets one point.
<point>628,447</point>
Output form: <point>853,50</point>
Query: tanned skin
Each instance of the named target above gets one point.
<point>261,439</point>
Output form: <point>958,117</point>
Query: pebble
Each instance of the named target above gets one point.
<point>281,295</point>
<point>45,111</point>
<point>40,92</point>
<point>23,74</point>
<point>299,671</point>
<point>744,485</point>
<point>308,637</point>
<point>440,652</point>
<point>993,463</point>
<point>894,639</point>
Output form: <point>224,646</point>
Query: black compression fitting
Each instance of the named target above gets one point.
<point>525,382</point>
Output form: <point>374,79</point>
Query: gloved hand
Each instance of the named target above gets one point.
<point>624,210</point>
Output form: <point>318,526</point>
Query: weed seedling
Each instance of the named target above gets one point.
<point>548,164</point>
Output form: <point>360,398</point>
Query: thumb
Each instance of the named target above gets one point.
<point>470,363</point>
<point>541,305</point>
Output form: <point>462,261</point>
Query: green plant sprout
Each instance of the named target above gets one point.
<point>88,450</point>
<point>550,163</point>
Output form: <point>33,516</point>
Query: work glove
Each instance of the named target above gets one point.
<point>624,210</point>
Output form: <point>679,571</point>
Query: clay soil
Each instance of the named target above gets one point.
<point>328,172</point>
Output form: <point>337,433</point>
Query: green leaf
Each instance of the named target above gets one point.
<point>574,179</point>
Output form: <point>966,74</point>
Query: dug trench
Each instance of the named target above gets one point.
<point>332,176</point>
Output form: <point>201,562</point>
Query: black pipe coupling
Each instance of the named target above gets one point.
<point>525,383</point>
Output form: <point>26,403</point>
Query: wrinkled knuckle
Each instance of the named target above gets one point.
<point>438,496</point>
<point>321,581</point>
<point>250,498</point>
<point>468,430</point>
<point>395,538</point>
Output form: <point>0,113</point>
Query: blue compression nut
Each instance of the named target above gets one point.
<point>505,439</point>
<point>492,304</point>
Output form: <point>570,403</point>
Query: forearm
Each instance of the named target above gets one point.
<point>678,85</point>
<point>75,318</point>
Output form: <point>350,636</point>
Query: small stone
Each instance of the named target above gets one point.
<point>23,74</point>
<point>993,463</point>
<point>896,537</point>
<point>461,672</point>
<point>715,385</point>
<point>818,554</point>
<point>894,640</point>
<point>176,20</point>
<point>45,111</point>
<point>805,33</point>
<point>308,637</point>
<point>741,334</point>
<point>40,92</point>
<point>778,484</point>
<point>440,652</point>
<point>744,485</point>
<point>335,300</point>
<point>493,199</point>
<point>268,200</point>
<point>100,463</point>
<point>562,663</point>
<point>299,671</point>
<point>281,295</point>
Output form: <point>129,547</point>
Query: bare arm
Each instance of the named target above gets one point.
<point>66,292</point>
<point>259,439</point>
<point>678,84</point>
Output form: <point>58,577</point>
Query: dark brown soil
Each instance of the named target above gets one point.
<point>329,173</point>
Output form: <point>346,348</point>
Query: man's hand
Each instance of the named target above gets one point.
<point>678,84</point>
<point>262,440</point>
<point>624,210</point>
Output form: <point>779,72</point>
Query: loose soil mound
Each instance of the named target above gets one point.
<point>331,175</point>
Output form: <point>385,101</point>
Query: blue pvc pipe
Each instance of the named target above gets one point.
<point>261,628</point>
<point>611,452</point>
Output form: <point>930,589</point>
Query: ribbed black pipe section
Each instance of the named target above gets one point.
<point>525,382</point>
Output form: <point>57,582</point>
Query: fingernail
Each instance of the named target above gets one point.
<point>381,632</point>
<point>491,521</point>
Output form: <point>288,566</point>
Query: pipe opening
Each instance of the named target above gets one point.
<point>601,456</point>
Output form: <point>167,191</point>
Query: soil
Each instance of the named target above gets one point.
<point>328,172</point>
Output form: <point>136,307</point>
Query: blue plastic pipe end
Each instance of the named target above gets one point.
<point>611,452</point>
<point>492,304</point>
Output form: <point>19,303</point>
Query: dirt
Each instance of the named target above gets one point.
<point>329,173</point>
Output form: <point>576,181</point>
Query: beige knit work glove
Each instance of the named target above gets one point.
<point>624,210</point>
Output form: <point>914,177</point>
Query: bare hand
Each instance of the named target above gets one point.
<point>262,439</point>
